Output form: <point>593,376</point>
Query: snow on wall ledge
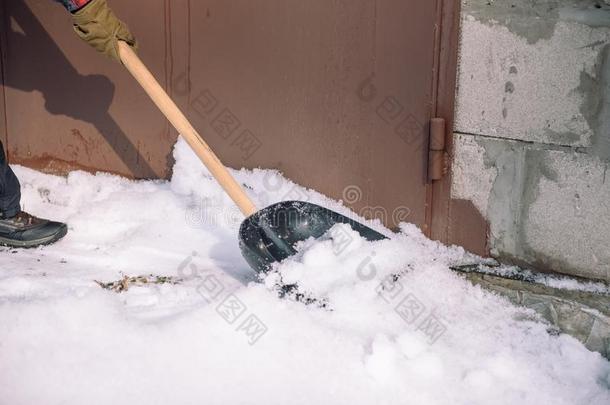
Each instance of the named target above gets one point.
<point>532,142</point>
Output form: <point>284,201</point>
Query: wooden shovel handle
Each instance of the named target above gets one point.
<point>135,66</point>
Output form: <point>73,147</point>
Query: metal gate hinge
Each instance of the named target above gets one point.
<point>437,157</point>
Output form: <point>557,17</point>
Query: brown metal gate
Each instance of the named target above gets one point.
<point>337,94</point>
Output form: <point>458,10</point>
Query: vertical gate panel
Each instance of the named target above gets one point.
<point>69,107</point>
<point>336,94</point>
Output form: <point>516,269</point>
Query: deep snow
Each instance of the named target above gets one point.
<point>428,338</point>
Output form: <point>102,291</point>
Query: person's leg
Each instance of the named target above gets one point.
<point>18,228</point>
<point>10,189</point>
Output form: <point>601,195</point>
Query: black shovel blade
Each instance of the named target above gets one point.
<point>269,235</point>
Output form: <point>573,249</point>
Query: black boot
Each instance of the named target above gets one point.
<point>26,231</point>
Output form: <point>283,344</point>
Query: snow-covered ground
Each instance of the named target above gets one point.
<point>219,337</point>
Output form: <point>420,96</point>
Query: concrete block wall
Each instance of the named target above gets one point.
<point>532,130</point>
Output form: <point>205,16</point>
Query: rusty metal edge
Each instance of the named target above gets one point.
<point>448,27</point>
<point>445,99</point>
<point>444,216</point>
<point>436,65</point>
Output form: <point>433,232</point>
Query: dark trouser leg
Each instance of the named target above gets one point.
<point>10,189</point>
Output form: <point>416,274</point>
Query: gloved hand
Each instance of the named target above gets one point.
<point>97,25</point>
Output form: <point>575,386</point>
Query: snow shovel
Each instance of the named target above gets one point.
<point>268,235</point>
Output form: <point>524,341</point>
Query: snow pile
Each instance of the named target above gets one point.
<point>550,280</point>
<point>399,326</point>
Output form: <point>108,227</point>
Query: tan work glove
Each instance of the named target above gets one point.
<point>97,25</point>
